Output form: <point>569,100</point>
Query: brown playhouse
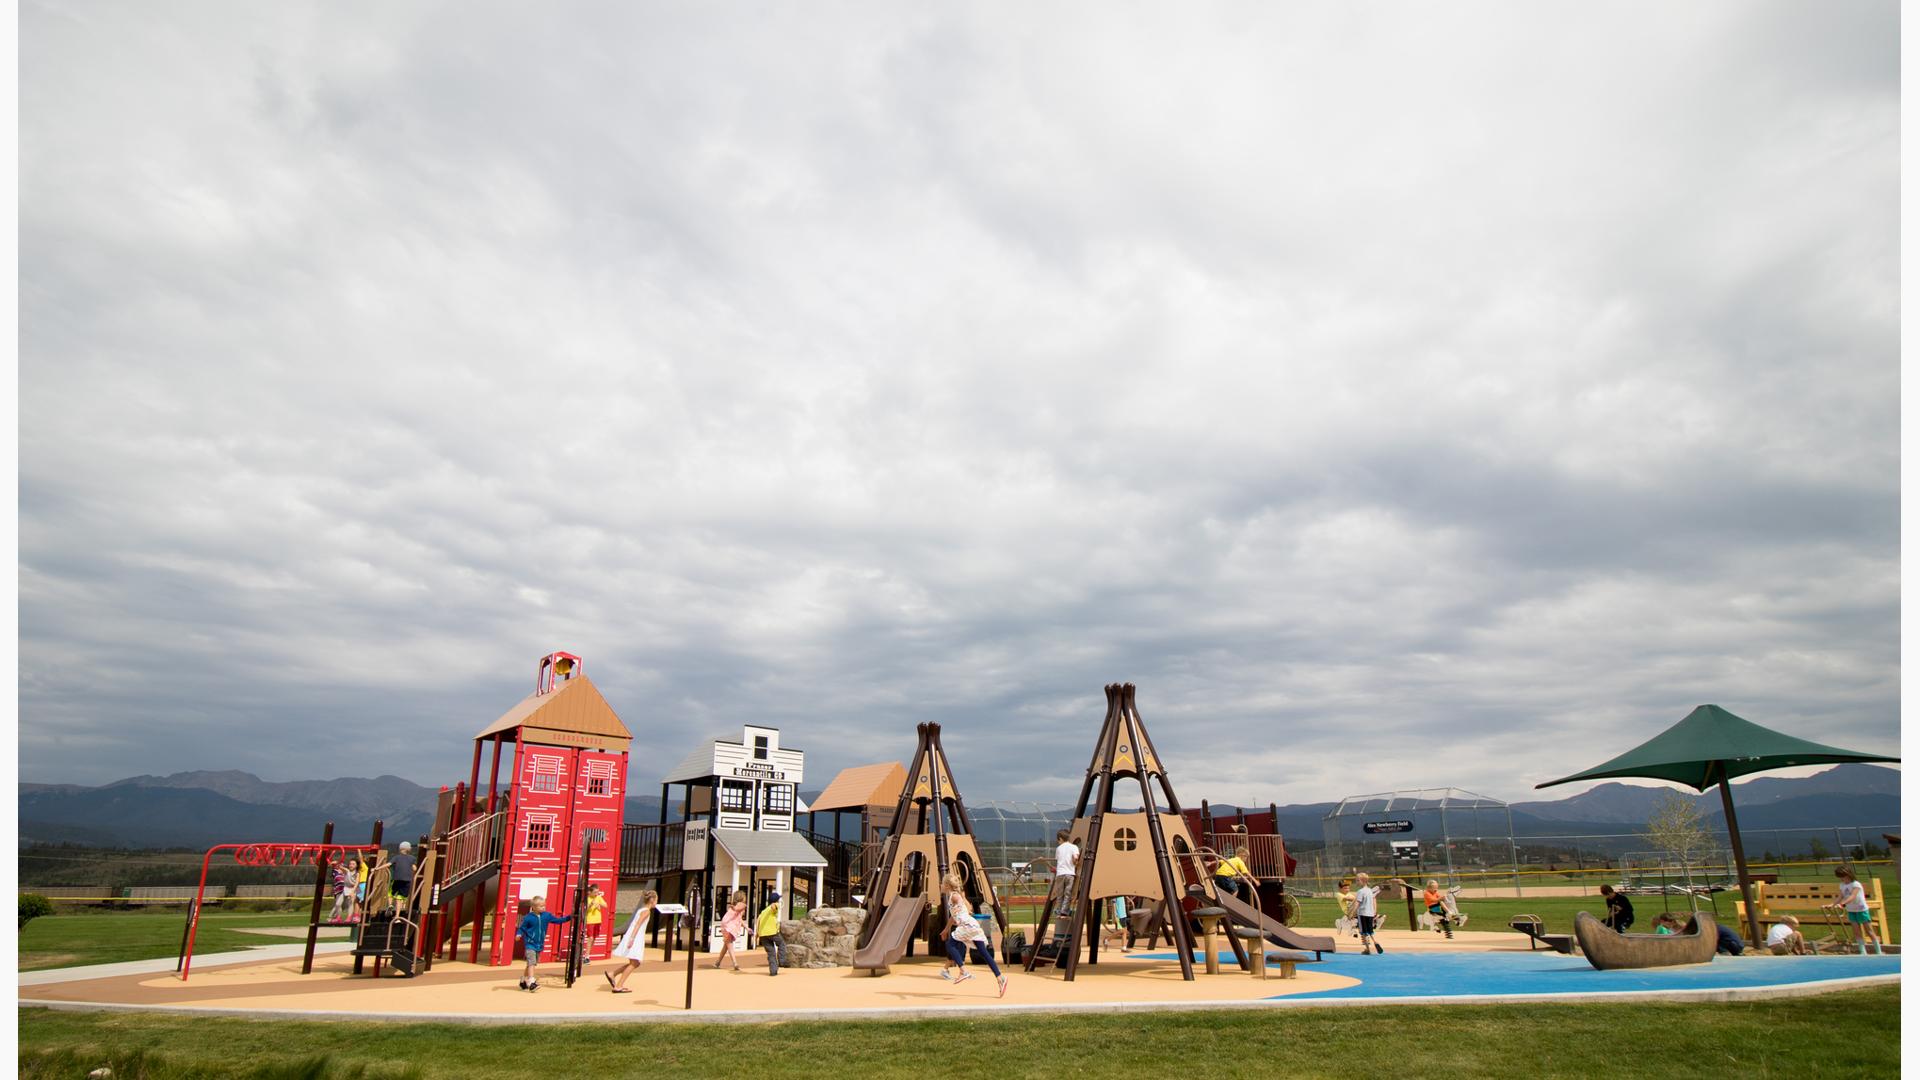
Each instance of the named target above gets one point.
<point>1147,854</point>
<point>868,795</point>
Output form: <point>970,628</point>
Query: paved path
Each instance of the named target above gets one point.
<point>52,976</point>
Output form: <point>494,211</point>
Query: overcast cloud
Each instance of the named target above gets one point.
<point>1401,394</point>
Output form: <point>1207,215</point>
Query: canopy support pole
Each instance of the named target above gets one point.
<point>1739,856</point>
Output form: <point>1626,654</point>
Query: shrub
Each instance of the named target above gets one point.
<point>32,906</point>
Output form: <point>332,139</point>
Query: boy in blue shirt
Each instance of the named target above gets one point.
<point>532,933</point>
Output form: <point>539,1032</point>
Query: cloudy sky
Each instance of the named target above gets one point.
<point>1401,395</point>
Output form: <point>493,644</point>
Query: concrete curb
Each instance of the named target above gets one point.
<point>950,1012</point>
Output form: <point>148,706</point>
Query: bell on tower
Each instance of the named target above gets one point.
<point>555,668</point>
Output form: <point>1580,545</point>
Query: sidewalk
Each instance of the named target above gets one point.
<point>162,965</point>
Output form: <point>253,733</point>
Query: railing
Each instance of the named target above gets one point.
<point>648,851</point>
<point>1265,852</point>
<point>477,843</point>
<point>847,860</point>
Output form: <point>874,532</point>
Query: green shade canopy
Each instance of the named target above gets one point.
<point>1712,745</point>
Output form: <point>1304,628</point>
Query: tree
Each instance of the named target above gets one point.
<point>32,906</point>
<point>1678,829</point>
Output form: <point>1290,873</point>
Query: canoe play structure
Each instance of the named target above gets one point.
<point>1610,951</point>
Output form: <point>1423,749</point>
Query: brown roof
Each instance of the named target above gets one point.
<point>863,786</point>
<point>576,705</point>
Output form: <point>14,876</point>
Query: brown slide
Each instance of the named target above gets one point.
<point>1276,932</point>
<point>889,941</point>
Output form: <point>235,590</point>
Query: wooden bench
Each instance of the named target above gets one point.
<point>1804,901</point>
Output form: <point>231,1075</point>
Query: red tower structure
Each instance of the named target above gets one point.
<point>566,788</point>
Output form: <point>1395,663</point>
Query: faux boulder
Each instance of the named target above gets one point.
<point>824,939</point>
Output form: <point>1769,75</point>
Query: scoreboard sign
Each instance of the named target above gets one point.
<point>1406,850</point>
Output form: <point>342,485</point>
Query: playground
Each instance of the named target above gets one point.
<point>1147,910</point>
<point>1417,966</point>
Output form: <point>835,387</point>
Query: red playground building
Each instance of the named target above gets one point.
<point>567,788</point>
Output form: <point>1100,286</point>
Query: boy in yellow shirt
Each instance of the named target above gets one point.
<point>768,927</point>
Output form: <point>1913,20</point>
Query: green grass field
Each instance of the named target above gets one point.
<point>70,940</point>
<point>1849,1034</point>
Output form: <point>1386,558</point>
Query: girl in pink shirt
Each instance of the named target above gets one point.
<point>733,927</point>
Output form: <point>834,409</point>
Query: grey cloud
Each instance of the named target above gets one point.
<point>1372,391</point>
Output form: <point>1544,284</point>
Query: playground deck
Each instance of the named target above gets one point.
<point>1417,966</point>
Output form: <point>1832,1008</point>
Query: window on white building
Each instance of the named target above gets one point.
<point>776,799</point>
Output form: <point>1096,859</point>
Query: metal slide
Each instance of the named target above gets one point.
<point>1276,932</point>
<point>889,941</point>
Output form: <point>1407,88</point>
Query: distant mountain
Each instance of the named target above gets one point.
<point>197,809</point>
<point>137,816</point>
<point>384,797</point>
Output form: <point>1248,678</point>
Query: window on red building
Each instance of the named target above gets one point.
<point>546,776</point>
<point>596,785</point>
<point>539,836</point>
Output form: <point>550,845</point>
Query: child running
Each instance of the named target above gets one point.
<point>963,932</point>
<point>733,927</point>
<point>532,934</point>
<point>1853,898</point>
<point>633,943</point>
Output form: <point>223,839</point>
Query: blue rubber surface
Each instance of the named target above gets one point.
<point>1396,975</point>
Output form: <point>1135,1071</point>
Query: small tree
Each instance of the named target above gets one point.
<point>1678,828</point>
<point>32,906</point>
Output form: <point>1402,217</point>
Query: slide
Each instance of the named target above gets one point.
<point>1276,932</point>
<point>889,941</point>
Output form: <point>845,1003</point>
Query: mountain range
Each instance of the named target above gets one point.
<point>199,809</point>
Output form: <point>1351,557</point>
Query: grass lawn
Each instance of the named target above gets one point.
<point>69,940</point>
<point>1853,1033</point>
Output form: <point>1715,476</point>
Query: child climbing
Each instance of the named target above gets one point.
<point>963,933</point>
<point>532,934</point>
<point>768,927</point>
<point>1853,898</point>
<point>342,892</point>
<point>733,927</point>
<point>633,944</point>
<point>1066,863</point>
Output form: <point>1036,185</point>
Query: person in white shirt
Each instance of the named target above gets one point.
<point>1066,863</point>
<point>1785,938</point>
<point>1853,897</point>
<point>1366,904</point>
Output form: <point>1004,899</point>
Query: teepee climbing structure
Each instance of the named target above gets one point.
<point>929,836</point>
<point>1130,853</point>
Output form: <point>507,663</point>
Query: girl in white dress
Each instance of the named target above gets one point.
<point>633,944</point>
